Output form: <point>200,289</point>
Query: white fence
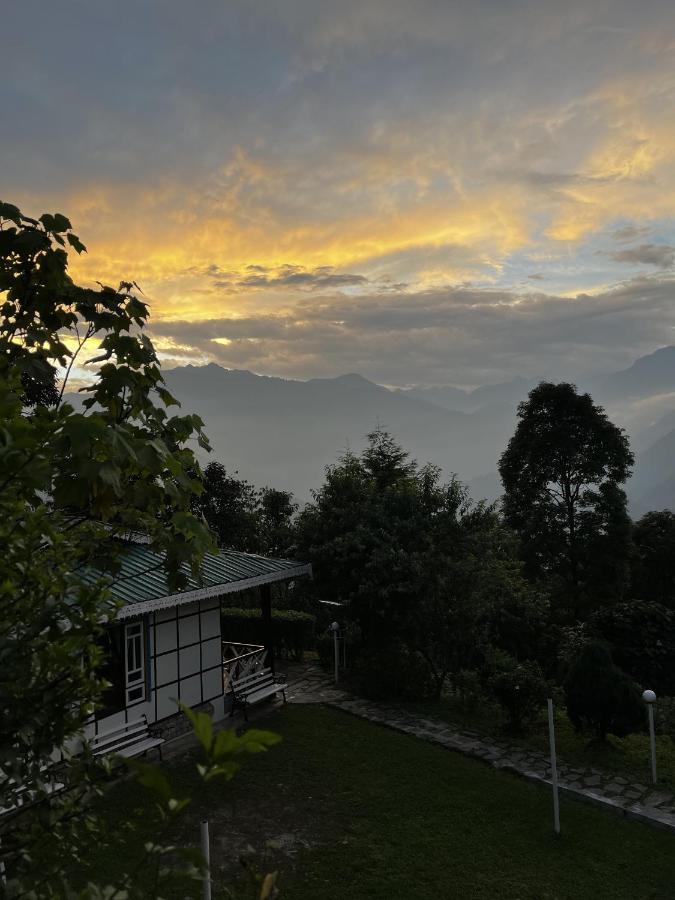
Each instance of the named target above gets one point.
<point>240,660</point>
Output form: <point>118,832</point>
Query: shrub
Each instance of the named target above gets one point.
<point>324,648</point>
<point>642,637</point>
<point>293,630</point>
<point>467,685</point>
<point>520,689</point>
<point>393,672</point>
<point>664,709</point>
<point>599,695</point>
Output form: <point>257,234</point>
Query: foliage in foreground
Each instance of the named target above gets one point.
<point>72,479</point>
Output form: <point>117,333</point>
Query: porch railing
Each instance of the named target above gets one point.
<point>240,660</point>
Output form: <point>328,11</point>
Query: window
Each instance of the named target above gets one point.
<point>112,671</point>
<point>135,662</point>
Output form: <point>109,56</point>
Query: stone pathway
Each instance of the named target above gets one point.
<point>632,800</point>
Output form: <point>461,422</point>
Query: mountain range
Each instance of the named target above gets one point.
<point>283,433</point>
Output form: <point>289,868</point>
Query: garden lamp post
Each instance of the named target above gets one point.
<point>206,853</point>
<point>650,699</point>
<point>554,767</point>
<point>335,628</point>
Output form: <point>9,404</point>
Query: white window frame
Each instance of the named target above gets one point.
<point>134,663</point>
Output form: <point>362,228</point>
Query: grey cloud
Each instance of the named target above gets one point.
<point>298,277</point>
<point>168,91</point>
<point>458,335</point>
<point>201,333</point>
<point>630,232</point>
<point>255,277</point>
<point>659,255</point>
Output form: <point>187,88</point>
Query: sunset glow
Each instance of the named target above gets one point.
<point>412,191</point>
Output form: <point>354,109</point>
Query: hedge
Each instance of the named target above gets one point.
<point>293,630</point>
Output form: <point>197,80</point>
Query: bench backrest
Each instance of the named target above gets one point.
<point>250,683</point>
<point>122,734</point>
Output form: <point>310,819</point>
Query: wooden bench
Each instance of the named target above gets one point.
<point>129,739</point>
<point>253,688</point>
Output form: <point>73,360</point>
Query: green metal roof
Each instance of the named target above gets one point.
<point>141,581</point>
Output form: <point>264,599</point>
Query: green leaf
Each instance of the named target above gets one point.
<point>152,778</point>
<point>61,223</point>
<point>109,473</point>
<point>256,741</point>
<point>76,243</point>
<point>11,212</point>
<point>202,726</point>
<point>48,221</point>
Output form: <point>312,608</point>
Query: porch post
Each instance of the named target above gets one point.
<point>266,610</point>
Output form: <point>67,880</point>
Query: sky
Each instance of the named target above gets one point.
<point>427,192</point>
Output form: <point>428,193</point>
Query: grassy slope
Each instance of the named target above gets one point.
<point>383,815</point>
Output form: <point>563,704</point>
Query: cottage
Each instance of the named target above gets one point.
<point>166,647</point>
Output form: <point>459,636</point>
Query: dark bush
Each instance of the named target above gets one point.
<point>293,630</point>
<point>600,696</point>
<point>520,689</point>
<point>323,645</point>
<point>642,637</point>
<point>393,672</point>
<point>665,716</point>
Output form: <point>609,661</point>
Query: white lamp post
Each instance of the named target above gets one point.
<point>650,699</point>
<point>206,853</point>
<point>335,628</point>
<point>554,767</point>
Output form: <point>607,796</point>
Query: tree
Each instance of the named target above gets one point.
<point>653,563</point>
<point>600,696</point>
<point>70,483</point>
<point>361,534</point>
<point>230,507</point>
<point>277,531</point>
<point>421,572</point>
<point>244,518</point>
<point>562,472</point>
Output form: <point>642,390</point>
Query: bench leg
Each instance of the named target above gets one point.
<point>245,711</point>
<point>283,694</point>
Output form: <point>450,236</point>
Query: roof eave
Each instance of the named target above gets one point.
<point>234,587</point>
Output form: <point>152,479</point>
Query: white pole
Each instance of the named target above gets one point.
<point>206,853</point>
<point>650,699</point>
<point>335,652</point>
<point>554,767</point>
<point>652,741</point>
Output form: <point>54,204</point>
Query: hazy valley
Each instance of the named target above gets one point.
<point>283,433</point>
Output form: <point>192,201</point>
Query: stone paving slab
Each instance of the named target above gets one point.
<point>613,793</point>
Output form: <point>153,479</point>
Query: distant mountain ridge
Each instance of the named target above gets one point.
<point>648,375</point>
<point>284,433</point>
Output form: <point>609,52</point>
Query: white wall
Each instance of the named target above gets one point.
<point>184,662</point>
<point>187,659</point>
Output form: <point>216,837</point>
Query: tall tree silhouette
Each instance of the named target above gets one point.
<point>562,473</point>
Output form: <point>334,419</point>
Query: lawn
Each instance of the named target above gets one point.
<point>346,809</point>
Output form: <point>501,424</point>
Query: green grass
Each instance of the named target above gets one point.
<point>629,756</point>
<point>352,810</point>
